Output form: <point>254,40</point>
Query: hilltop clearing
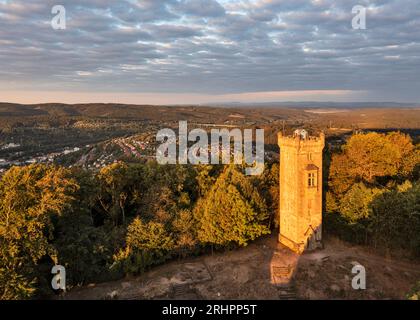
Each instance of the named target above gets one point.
<point>254,273</point>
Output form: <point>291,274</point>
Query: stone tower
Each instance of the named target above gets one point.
<point>301,190</point>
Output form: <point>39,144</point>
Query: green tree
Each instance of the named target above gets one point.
<point>396,219</point>
<point>268,186</point>
<point>355,205</point>
<point>331,203</point>
<point>167,189</point>
<point>147,243</point>
<point>114,181</point>
<point>78,234</point>
<point>232,212</point>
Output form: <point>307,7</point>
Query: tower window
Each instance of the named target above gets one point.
<point>312,179</point>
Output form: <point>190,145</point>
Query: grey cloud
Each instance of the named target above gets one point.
<point>201,8</point>
<point>165,32</point>
<point>211,46</point>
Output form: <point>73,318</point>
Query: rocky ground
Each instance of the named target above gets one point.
<point>265,270</point>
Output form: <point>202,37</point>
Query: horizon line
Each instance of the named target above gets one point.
<point>227,103</point>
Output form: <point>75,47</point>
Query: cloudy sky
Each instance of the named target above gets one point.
<point>198,51</point>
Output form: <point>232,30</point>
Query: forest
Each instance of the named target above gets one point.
<point>126,218</point>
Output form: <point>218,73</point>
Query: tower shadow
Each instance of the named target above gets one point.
<point>284,266</point>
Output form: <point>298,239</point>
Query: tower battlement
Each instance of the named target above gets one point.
<point>297,140</point>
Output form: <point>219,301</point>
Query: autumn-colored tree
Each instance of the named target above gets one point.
<point>232,211</point>
<point>365,195</point>
<point>206,177</point>
<point>367,157</point>
<point>410,164</point>
<point>371,155</point>
<point>402,142</point>
<point>340,179</point>
<point>184,228</point>
<point>29,197</point>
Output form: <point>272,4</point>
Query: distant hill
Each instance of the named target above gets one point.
<point>16,110</point>
<point>314,114</point>
<point>317,104</point>
<point>201,114</point>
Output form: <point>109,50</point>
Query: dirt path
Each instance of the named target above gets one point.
<point>265,270</point>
